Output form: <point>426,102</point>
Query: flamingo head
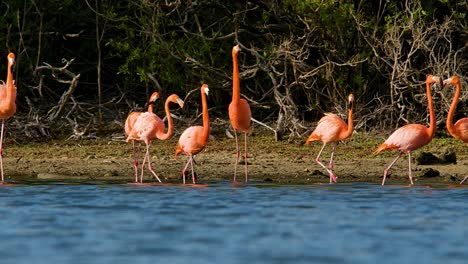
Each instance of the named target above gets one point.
<point>180,102</point>
<point>432,79</point>
<point>236,49</point>
<point>11,58</point>
<point>205,89</point>
<point>154,97</point>
<point>451,80</point>
<point>350,101</point>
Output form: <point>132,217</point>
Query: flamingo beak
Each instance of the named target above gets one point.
<point>447,81</point>
<point>350,101</point>
<point>180,102</point>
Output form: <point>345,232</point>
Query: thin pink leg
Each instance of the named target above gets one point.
<point>193,171</point>
<point>245,157</point>
<point>409,166</point>
<point>1,148</point>
<point>321,164</point>
<point>464,180</point>
<point>185,169</point>
<point>143,165</point>
<point>388,168</point>
<point>330,165</point>
<point>237,154</point>
<point>135,159</point>
<point>150,168</point>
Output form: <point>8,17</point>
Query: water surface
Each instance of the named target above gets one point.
<point>54,222</point>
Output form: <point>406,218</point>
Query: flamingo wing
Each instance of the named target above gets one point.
<point>406,138</point>
<point>189,141</point>
<point>145,127</point>
<point>240,115</point>
<point>130,122</point>
<point>328,129</point>
<point>461,126</point>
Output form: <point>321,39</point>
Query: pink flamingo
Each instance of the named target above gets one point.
<point>332,129</point>
<point>7,102</point>
<point>412,136</point>
<point>239,112</point>
<point>194,139</point>
<point>129,124</point>
<point>460,129</point>
<point>148,127</point>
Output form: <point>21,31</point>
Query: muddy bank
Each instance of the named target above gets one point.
<point>283,162</point>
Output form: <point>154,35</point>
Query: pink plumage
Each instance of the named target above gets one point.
<point>412,136</point>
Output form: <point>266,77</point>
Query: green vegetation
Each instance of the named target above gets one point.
<point>299,59</point>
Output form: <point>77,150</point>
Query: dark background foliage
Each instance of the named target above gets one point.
<point>84,65</point>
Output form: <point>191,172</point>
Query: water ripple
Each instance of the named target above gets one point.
<point>220,223</point>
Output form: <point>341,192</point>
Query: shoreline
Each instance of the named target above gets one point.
<point>272,162</point>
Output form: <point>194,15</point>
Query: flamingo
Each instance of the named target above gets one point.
<point>411,136</point>
<point>7,102</point>
<point>148,127</point>
<point>194,139</point>
<point>239,112</point>
<point>459,130</point>
<point>130,122</point>
<point>332,129</point>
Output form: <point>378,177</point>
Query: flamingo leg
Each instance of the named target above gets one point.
<point>245,157</point>
<point>321,164</point>
<point>185,169</point>
<point>150,168</point>
<point>193,172</point>
<point>237,154</point>
<point>464,180</point>
<point>135,158</point>
<point>330,166</point>
<point>388,168</point>
<point>143,163</point>
<point>1,148</point>
<point>409,170</point>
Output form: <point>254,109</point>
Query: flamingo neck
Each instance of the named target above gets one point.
<point>150,107</point>
<point>170,123</point>
<point>349,130</point>
<point>235,78</point>
<point>451,112</point>
<point>11,89</point>
<point>206,119</point>
<point>432,119</point>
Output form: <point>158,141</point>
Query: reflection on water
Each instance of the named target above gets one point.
<point>46,222</point>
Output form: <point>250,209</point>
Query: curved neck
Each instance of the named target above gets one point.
<point>150,107</point>
<point>432,119</point>
<point>11,89</point>
<point>206,119</point>
<point>451,113</point>
<point>349,131</point>
<point>170,123</point>
<point>235,78</point>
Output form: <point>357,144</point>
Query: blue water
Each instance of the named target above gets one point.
<point>220,223</point>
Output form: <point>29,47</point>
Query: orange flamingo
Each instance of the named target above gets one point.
<point>194,139</point>
<point>7,102</point>
<point>411,136</point>
<point>332,129</point>
<point>130,122</point>
<point>239,112</point>
<point>148,127</point>
<point>459,130</point>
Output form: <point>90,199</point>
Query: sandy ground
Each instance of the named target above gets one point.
<point>282,162</point>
